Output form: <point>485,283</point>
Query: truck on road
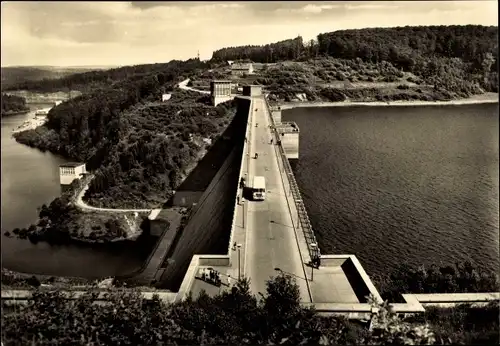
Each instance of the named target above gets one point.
<point>259,188</point>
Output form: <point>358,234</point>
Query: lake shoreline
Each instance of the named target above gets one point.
<point>477,99</point>
<point>7,114</point>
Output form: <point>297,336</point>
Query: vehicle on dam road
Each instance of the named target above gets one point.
<point>259,188</point>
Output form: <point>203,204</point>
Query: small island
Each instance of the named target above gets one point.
<point>12,105</point>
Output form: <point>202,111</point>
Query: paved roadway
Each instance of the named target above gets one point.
<point>270,237</point>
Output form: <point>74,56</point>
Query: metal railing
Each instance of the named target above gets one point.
<point>314,251</point>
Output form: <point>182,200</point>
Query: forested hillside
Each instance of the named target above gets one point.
<point>396,45</point>
<point>91,80</point>
<point>451,58</point>
<point>12,76</point>
<point>13,104</point>
<point>269,53</point>
<point>140,144</point>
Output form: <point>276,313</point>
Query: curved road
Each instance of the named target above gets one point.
<point>79,200</point>
<point>183,86</point>
<point>81,204</point>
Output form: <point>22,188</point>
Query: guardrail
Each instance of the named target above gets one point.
<point>314,251</point>
<point>245,156</point>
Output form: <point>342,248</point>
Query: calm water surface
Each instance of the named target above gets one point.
<point>29,179</point>
<point>415,184</point>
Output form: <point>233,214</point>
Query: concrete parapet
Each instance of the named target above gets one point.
<point>276,115</point>
<point>244,162</point>
<point>451,299</point>
<point>351,311</point>
<point>355,273</point>
<point>252,90</point>
<point>213,260</point>
<point>189,277</point>
<point>305,224</point>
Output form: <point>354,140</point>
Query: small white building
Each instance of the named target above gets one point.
<point>241,69</point>
<point>71,171</point>
<point>166,97</point>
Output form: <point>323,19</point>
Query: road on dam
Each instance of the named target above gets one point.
<point>271,241</point>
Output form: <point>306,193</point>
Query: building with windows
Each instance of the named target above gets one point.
<point>71,171</point>
<point>220,91</point>
<point>241,69</point>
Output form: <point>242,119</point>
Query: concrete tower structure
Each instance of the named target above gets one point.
<point>220,91</point>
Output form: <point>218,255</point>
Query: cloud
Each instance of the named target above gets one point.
<point>317,8</point>
<point>107,33</point>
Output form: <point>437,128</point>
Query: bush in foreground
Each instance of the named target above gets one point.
<point>233,317</point>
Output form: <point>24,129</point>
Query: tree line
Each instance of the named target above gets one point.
<point>399,46</point>
<point>88,81</point>
<point>269,53</point>
<point>12,104</point>
<point>234,316</point>
<point>470,52</point>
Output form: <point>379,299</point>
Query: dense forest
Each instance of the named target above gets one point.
<point>233,317</point>
<point>269,53</point>
<point>452,58</point>
<point>13,104</point>
<point>401,46</point>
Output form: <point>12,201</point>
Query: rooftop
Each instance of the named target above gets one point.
<point>222,81</point>
<point>240,66</point>
<point>71,164</point>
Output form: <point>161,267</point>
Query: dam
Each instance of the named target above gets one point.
<point>259,239</point>
<point>253,239</point>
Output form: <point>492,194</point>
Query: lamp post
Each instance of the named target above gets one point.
<point>239,261</point>
<point>313,245</point>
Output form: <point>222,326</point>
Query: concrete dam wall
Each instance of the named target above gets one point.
<point>209,225</point>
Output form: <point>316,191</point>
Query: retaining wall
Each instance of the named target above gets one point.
<point>209,225</point>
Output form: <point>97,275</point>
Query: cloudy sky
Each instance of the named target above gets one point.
<point>123,33</point>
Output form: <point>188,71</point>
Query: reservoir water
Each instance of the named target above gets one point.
<point>402,184</point>
<point>29,179</point>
